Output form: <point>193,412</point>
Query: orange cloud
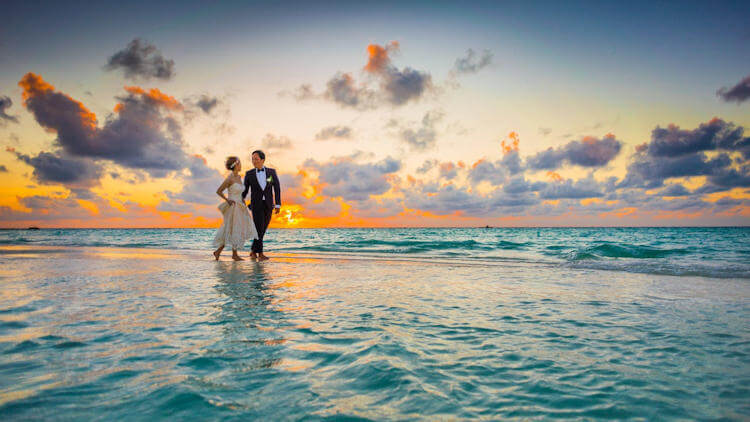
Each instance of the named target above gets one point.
<point>34,87</point>
<point>554,176</point>
<point>512,145</point>
<point>156,96</point>
<point>377,56</point>
<point>447,166</point>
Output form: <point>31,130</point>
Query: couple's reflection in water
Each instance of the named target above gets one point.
<point>247,317</point>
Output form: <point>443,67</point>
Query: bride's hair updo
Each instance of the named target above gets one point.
<point>231,162</point>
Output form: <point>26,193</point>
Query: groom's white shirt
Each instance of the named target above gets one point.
<point>261,176</point>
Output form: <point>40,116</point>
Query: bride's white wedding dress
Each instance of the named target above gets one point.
<point>238,223</point>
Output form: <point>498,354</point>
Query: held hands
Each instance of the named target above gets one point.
<point>230,202</point>
<point>276,210</point>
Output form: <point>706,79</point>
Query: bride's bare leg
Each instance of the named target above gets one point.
<point>235,256</point>
<point>218,252</point>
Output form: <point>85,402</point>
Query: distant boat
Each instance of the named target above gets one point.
<point>33,228</point>
<point>487,227</point>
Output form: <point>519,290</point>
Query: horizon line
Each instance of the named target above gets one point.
<point>380,227</point>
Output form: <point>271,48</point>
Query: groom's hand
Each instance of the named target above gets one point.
<point>277,210</point>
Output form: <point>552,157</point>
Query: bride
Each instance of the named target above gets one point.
<point>237,226</point>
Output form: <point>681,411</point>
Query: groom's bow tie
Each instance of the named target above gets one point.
<point>261,170</point>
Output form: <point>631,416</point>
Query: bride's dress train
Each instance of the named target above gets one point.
<point>237,226</point>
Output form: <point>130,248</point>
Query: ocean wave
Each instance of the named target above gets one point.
<point>398,246</point>
<point>508,245</point>
<point>670,268</point>
<point>14,241</point>
<point>614,250</point>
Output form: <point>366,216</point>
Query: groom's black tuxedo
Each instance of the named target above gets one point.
<point>262,201</point>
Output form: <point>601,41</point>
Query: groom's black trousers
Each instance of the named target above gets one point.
<point>262,218</point>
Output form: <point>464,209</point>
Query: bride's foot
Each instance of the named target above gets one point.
<point>253,255</point>
<point>217,254</point>
<point>237,258</point>
<point>262,257</point>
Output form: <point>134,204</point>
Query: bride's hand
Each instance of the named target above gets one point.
<point>230,202</point>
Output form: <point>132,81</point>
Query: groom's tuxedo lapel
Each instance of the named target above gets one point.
<point>254,178</point>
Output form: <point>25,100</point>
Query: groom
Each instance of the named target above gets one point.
<point>259,181</point>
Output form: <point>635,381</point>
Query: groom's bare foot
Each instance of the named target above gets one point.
<point>253,255</point>
<point>237,258</point>
<point>262,257</point>
<point>217,254</point>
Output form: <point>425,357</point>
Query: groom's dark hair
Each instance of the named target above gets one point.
<point>260,153</point>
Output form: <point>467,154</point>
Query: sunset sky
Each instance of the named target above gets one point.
<point>120,114</point>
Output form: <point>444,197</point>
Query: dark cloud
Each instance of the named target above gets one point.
<point>449,199</point>
<point>588,152</point>
<point>738,93</point>
<point>512,162</point>
<point>66,170</point>
<point>272,142</point>
<point>402,86</point>
<point>5,103</point>
<point>396,86</point>
<point>141,135</point>
<point>141,59</point>
<point>674,152</point>
<point>519,184</point>
<point>675,189</point>
<point>472,63</point>
<point>427,166</point>
<point>730,178</point>
<point>569,189</point>
<point>502,202</point>
<point>3,169</point>
<point>445,200</point>
<point>425,136</point>
<point>484,170</point>
<point>334,132</point>
<point>303,93</point>
<point>345,178</point>
<point>448,170</point>
<point>713,135</point>
<point>728,202</point>
<point>497,172</point>
<point>342,89</point>
<point>651,172</point>
<point>207,103</point>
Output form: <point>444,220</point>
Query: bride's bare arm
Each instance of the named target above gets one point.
<point>221,189</point>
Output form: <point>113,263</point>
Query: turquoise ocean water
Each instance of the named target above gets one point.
<point>713,252</point>
<point>377,324</point>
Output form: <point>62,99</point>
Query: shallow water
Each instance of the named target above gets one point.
<point>135,334</point>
